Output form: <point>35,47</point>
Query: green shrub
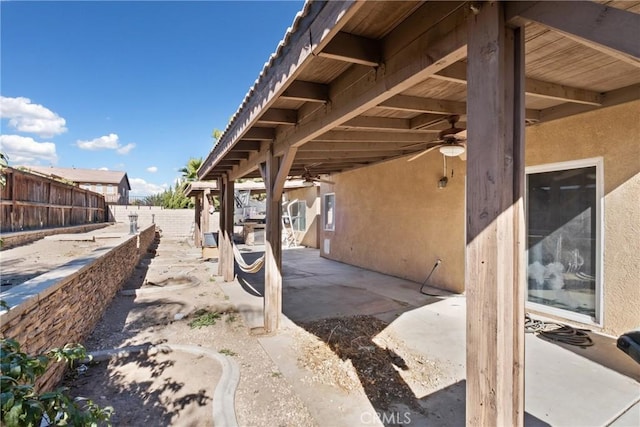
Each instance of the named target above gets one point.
<point>204,318</point>
<point>22,406</point>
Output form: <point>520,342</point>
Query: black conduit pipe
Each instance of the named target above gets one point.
<point>438,262</point>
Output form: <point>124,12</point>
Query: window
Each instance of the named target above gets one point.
<point>297,211</point>
<point>99,188</point>
<point>329,211</point>
<point>563,238</point>
<point>110,189</point>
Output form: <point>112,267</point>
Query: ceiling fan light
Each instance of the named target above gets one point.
<point>452,150</point>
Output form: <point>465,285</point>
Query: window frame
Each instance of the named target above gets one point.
<point>598,163</point>
<point>298,219</point>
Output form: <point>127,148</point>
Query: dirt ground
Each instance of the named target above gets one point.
<point>177,388</point>
<point>173,298</point>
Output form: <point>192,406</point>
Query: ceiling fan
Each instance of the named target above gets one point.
<point>451,141</point>
<point>309,177</point>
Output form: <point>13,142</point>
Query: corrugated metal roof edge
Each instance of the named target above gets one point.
<point>294,28</point>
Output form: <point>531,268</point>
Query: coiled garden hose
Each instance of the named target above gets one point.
<point>557,332</point>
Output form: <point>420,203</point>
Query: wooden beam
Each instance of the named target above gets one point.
<point>273,248</point>
<point>307,91</point>
<point>438,47</point>
<point>279,116</point>
<point>615,97</point>
<point>427,120</point>
<point>342,155</point>
<point>424,105</point>
<point>406,65</point>
<point>538,88</point>
<point>613,31</point>
<point>372,136</point>
<point>353,49</point>
<point>226,162</point>
<point>495,176</point>
<point>546,90</point>
<point>236,155</point>
<point>314,146</point>
<point>283,172</point>
<point>260,134</point>
<point>251,164</point>
<point>380,123</point>
<point>245,145</point>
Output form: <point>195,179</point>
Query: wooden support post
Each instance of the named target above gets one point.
<point>495,231</point>
<point>273,247</point>
<point>198,216</point>
<point>221,227</point>
<point>206,221</point>
<point>227,231</point>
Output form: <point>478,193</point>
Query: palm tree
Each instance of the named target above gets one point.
<point>190,172</point>
<point>216,134</point>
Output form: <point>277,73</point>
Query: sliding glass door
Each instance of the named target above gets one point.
<point>563,239</point>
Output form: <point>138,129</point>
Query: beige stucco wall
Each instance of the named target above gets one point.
<point>310,195</point>
<point>392,218</point>
<point>613,134</point>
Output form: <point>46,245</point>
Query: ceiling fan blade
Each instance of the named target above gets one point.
<point>324,181</point>
<point>424,152</point>
<point>418,144</point>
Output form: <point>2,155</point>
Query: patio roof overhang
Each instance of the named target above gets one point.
<point>357,83</point>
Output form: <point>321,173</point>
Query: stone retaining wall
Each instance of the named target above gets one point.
<point>64,305</point>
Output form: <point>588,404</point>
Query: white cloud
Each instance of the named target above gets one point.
<point>125,149</point>
<point>27,151</point>
<point>152,169</point>
<point>103,168</point>
<point>140,187</point>
<point>106,142</point>
<point>31,118</point>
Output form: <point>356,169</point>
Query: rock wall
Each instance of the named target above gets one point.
<point>64,305</point>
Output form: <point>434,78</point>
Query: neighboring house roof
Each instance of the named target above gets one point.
<point>84,175</point>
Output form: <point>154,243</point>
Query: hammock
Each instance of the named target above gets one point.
<point>247,268</point>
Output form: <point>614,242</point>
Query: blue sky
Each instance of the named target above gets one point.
<point>133,86</point>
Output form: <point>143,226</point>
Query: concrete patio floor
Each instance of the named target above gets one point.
<point>564,385</point>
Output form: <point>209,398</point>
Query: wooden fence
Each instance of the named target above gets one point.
<point>33,202</point>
